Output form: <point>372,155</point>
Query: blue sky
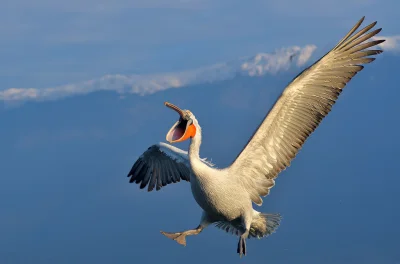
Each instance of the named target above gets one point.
<point>49,43</point>
<point>64,194</point>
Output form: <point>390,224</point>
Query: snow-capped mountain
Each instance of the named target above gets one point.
<point>258,65</point>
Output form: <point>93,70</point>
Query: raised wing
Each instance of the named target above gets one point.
<point>159,165</point>
<point>299,110</point>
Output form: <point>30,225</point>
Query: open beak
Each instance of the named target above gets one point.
<point>183,129</point>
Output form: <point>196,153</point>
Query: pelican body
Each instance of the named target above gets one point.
<point>226,195</point>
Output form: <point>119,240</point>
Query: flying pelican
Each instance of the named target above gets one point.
<point>226,195</point>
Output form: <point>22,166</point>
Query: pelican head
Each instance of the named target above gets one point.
<point>184,128</point>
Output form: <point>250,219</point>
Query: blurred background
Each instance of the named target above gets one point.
<point>82,86</point>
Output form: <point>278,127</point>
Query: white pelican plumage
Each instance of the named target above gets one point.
<point>226,195</point>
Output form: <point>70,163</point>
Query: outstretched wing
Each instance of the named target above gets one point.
<point>159,165</point>
<point>299,110</point>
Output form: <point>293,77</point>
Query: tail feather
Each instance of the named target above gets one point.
<point>264,225</point>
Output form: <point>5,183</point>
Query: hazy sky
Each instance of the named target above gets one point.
<point>64,195</point>
<point>47,43</point>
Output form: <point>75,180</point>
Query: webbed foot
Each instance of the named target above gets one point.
<point>180,237</point>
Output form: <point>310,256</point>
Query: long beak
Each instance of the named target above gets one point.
<point>183,129</point>
<point>174,107</point>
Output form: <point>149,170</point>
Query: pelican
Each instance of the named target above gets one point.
<point>226,195</point>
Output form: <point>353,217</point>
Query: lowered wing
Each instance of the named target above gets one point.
<point>160,165</point>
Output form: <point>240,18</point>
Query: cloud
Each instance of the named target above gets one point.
<point>305,54</point>
<point>260,64</point>
<point>282,59</point>
<point>48,43</point>
<point>392,43</point>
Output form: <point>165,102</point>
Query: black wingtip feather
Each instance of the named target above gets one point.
<point>133,168</point>
<point>379,41</point>
<point>146,177</point>
<point>152,182</point>
<point>159,181</point>
<point>136,169</point>
<point>156,169</point>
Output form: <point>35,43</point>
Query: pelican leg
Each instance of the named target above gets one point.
<point>241,250</point>
<point>242,246</point>
<point>180,237</point>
